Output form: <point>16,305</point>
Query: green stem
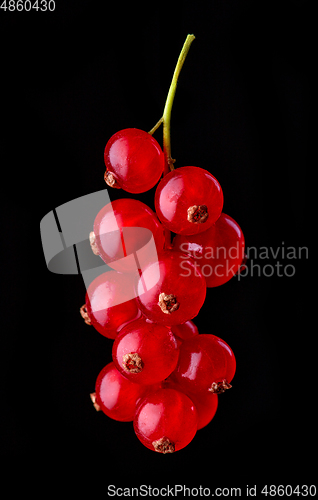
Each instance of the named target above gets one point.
<point>153,130</point>
<point>166,118</point>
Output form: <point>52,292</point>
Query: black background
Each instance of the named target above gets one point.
<point>70,79</point>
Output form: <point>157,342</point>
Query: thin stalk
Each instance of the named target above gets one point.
<point>166,118</point>
<point>153,130</point>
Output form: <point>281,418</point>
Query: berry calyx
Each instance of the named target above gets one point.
<point>92,242</point>
<point>110,180</point>
<point>132,363</point>
<point>198,214</point>
<point>219,387</point>
<point>164,445</point>
<point>168,303</point>
<point>85,315</point>
<point>93,400</point>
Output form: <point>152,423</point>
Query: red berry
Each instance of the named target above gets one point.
<point>124,227</point>
<point>219,251</point>
<point>166,421</point>
<point>188,200</point>
<point>110,303</point>
<point>134,160</point>
<point>145,353</point>
<point>166,294</point>
<point>185,331</point>
<point>206,403</point>
<point>116,396</point>
<point>206,363</point>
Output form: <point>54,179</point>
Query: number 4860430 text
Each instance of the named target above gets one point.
<point>28,5</point>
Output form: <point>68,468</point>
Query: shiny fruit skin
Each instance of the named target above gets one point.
<point>110,302</point>
<point>135,159</point>
<point>153,346</point>
<point>219,251</point>
<point>203,361</point>
<point>124,227</point>
<point>167,278</point>
<point>182,189</point>
<point>116,396</point>
<point>166,416</point>
<point>206,404</point>
<point>185,331</point>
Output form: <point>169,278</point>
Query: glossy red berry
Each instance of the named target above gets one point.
<point>145,353</point>
<point>116,396</point>
<point>188,200</point>
<point>185,331</point>
<point>134,160</point>
<point>206,363</point>
<point>166,421</point>
<point>206,403</point>
<point>110,303</point>
<point>124,227</point>
<point>168,295</point>
<point>219,251</point>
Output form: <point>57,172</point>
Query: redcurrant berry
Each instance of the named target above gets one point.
<point>206,403</point>
<point>110,303</point>
<point>124,227</point>
<point>134,161</point>
<point>206,363</point>
<point>188,200</point>
<point>185,331</point>
<point>219,251</point>
<point>116,396</point>
<point>166,421</point>
<point>168,295</point>
<point>145,353</point>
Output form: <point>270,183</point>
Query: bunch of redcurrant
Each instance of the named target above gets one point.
<point>165,376</point>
